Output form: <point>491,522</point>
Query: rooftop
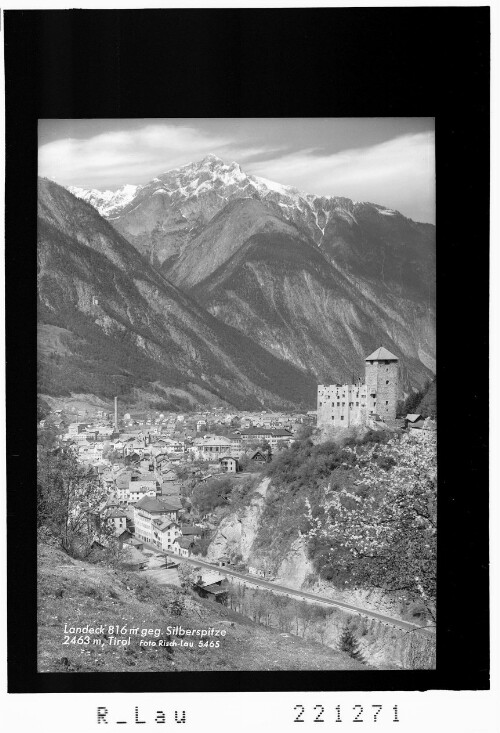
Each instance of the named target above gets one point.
<point>412,417</point>
<point>277,433</point>
<point>154,506</point>
<point>163,524</point>
<point>216,590</point>
<point>116,514</point>
<point>381,354</point>
<point>188,529</point>
<point>209,578</point>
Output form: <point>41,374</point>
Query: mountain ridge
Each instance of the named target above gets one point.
<point>219,168</point>
<point>195,192</point>
<point>380,266</point>
<point>130,328</point>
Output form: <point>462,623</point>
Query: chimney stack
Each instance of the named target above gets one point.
<point>116,414</point>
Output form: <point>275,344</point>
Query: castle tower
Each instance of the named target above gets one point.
<point>382,381</point>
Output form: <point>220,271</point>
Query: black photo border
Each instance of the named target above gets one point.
<point>328,62</point>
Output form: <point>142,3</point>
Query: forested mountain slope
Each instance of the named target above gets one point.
<point>109,324</point>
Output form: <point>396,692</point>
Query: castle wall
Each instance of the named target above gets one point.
<point>343,405</point>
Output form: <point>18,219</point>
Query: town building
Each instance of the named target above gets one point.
<point>422,428</point>
<point>76,428</point>
<point>190,530</point>
<point>144,484</point>
<point>270,435</point>
<point>117,519</point>
<point>211,585</point>
<point>413,418</point>
<point>343,405</point>
<point>183,546</point>
<point>213,446</point>
<point>164,533</point>
<point>260,456</point>
<point>228,464</point>
<point>148,509</point>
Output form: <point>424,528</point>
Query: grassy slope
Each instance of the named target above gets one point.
<point>97,595</point>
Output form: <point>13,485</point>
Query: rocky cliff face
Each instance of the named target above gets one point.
<point>271,282</point>
<point>111,324</point>
<point>382,646</point>
<point>236,533</point>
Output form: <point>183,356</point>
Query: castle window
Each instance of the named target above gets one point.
<point>343,404</point>
<point>387,381</point>
<point>357,404</point>
<point>321,404</point>
<point>333,417</point>
<point>338,404</point>
<point>386,402</point>
<point>341,417</point>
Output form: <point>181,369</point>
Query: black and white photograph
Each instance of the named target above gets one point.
<point>242,248</point>
<point>236,395</point>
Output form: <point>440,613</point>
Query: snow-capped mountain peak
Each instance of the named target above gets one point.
<point>209,171</point>
<point>177,202</point>
<point>209,176</point>
<point>106,202</point>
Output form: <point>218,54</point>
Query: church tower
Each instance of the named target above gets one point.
<point>382,382</point>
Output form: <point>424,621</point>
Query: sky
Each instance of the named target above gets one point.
<point>387,161</point>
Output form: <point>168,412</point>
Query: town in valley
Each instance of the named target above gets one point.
<point>152,467</point>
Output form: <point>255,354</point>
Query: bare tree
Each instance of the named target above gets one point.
<point>70,501</point>
<point>307,614</point>
<point>284,612</point>
<point>187,575</point>
<point>321,616</point>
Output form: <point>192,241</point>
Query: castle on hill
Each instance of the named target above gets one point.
<point>342,405</point>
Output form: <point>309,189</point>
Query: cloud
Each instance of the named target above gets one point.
<point>133,156</point>
<point>398,173</point>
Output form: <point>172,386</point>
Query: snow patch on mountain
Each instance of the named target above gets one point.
<point>197,187</point>
<point>106,202</point>
<point>266,184</point>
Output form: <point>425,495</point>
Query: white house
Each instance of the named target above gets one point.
<point>118,519</point>
<point>228,464</point>
<point>182,546</point>
<point>164,533</point>
<point>212,447</point>
<point>145,511</point>
<point>144,484</point>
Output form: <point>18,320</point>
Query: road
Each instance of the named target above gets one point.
<point>157,572</point>
<point>303,595</point>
